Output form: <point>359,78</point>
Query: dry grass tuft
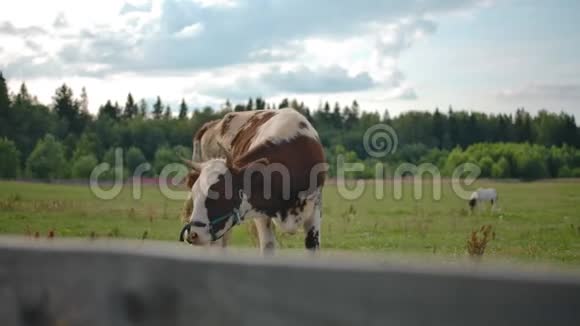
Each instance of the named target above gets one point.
<point>114,233</point>
<point>575,229</point>
<point>132,213</point>
<point>165,215</point>
<point>10,202</point>
<point>348,216</point>
<point>477,242</point>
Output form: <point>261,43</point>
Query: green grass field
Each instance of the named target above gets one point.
<point>538,221</point>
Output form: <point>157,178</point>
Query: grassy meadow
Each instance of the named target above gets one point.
<point>537,221</point>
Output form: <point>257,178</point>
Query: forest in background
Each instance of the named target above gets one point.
<point>63,140</point>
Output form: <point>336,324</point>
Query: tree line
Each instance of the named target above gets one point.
<point>63,140</point>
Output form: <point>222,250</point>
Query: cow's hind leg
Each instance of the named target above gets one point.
<point>313,224</point>
<point>266,235</point>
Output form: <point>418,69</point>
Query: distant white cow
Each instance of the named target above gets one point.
<point>482,195</point>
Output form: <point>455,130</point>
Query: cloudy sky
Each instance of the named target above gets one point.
<point>483,55</point>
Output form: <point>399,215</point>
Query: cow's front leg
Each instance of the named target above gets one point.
<point>312,225</point>
<point>223,241</point>
<point>266,235</point>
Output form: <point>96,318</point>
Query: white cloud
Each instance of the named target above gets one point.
<point>290,47</point>
<point>189,31</point>
<point>535,91</point>
<point>216,3</point>
<point>136,7</point>
<point>298,80</point>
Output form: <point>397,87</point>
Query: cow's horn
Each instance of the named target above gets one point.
<point>229,157</point>
<point>194,165</point>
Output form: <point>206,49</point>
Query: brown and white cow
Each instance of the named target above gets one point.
<point>261,165</point>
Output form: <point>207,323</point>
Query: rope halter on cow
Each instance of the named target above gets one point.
<point>237,218</point>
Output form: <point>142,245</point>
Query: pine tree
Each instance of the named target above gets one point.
<point>118,111</point>
<point>387,117</point>
<point>260,104</point>
<point>157,109</point>
<point>351,115</point>
<point>131,108</point>
<point>438,128</point>
<point>569,130</point>
<point>64,105</point>
<point>23,97</point>
<point>294,104</point>
<point>167,114</point>
<point>523,126</point>
<point>84,103</point>
<point>228,106</point>
<point>453,127</point>
<point>4,107</point>
<point>355,108</point>
<point>4,98</point>
<point>67,109</point>
<point>504,127</point>
<point>183,110</point>
<point>250,105</point>
<point>109,110</point>
<point>143,108</point>
<point>336,117</point>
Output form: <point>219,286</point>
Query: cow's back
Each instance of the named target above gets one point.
<point>286,139</point>
<point>205,141</point>
<point>282,136</point>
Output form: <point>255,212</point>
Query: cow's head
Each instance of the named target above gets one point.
<point>216,193</point>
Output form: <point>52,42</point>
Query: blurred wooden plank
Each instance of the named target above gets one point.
<point>54,283</point>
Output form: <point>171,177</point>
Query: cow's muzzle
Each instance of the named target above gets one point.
<point>189,236</point>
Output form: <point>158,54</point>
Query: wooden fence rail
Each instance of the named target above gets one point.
<point>74,283</point>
